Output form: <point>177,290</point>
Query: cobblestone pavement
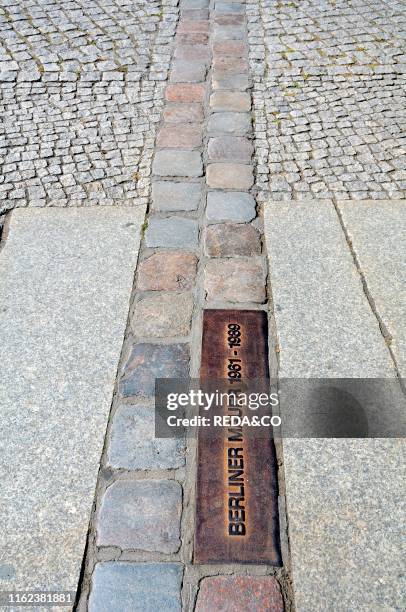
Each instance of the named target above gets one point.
<point>329,97</point>
<point>80,97</point>
<point>288,99</point>
<point>202,248</point>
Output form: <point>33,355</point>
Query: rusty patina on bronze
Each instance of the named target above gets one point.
<point>236,521</point>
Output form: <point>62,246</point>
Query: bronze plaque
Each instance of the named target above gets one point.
<point>237,494</point>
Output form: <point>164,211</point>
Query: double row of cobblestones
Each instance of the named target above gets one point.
<point>202,248</point>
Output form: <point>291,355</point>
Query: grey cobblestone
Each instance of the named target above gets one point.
<point>177,163</point>
<point>133,445</point>
<point>165,315</point>
<point>141,514</point>
<point>147,362</point>
<point>81,94</point>
<point>168,195</point>
<point>120,587</point>
<point>172,232</point>
<point>328,99</point>
<point>230,206</point>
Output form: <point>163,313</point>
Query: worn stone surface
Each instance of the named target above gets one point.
<point>229,32</point>
<point>82,89</point>
<point>147,362</point>
<point>309,256</point>
<point>352,526</point>
<point>141,515</point>
<point>66,278</point>
<point>167,271</point>
<point>229,48</point>
<point>186,27</point>
<point>229,206</point>
<point>168,195</point>
<point>236,101</point>
<point>194,14</point>
<point>195,4</point>
<point>226,8</point>
<point>184,71</point>
<point>164,315</point>
<point>172,232</point>
<point>192,52</point>
<point>192,38</point>
<point>229,593</point>
<point>377,230</point>
<point>177,163</point>
<point>232,65</point>
<point>230,149</point>
<point>227,240</point>
<point>235,280</point>
<point>174,137</point>
<point>228,19</point>
<point>222,80</point>
<point>185,92</point>
<point>133,445</point>
<point>229,176</point>
<point>183,113</point>
<point>229,123</point>
<point>141,587</point>
<point>329,99</point>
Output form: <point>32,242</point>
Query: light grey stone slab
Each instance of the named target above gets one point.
<point>343,496</point>
<point>140,587</point>
<point>172,232</point>
<point>325,325</point>
<point>229,8</point>
<point>177,163</point>
<point>345,501</point>
<point>133,445</point>
<point>230,206</point>
<point>222,80</point>
<point>65,282</point>
<point>184,71</point>
<point>377,230</point>
<point>141,514</point>
<point>194,4</point>
<point>228,32</point>
<point>229,123</point>
<point>168,195</point>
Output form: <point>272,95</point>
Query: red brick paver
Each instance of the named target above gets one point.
<point>239,593</point>
<point>185,92</point>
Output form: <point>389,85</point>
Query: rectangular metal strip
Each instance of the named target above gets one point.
<point>235,521</point>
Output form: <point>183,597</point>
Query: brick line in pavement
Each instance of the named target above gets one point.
<point>202,248</point>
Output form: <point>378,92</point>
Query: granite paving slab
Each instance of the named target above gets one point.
<point>65,282</point>
<point>346,510</point>
<point>377,230</point>
<point>344,497</point>
<point>325,325</point>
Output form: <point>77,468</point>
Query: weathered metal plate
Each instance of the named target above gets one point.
<point>237,507</point>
